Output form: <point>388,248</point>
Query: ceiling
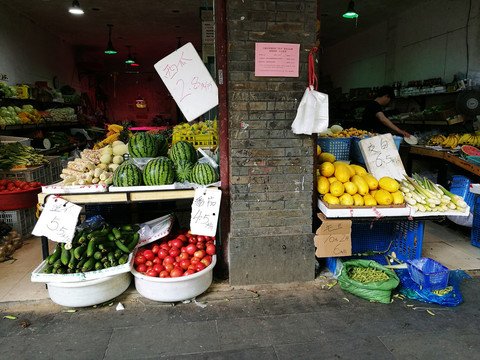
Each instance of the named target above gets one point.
<point>153,28</point>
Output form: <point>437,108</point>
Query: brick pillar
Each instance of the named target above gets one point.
<point>271,168</point>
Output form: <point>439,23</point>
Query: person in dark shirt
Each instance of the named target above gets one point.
<point>374,119</point>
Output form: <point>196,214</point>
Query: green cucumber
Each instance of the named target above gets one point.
<point>48,269</point>
<point>134,242</point>
<point>98,265</point>
<point>55,255</point>
<point>118,254</point>
<point>65,257</point>
<point>80,251</point>
<point>122,246</point>
<point>123,259</point>
<point>116,232</point>
<point>57,264</point>
<point>89,264</point>
<point>91,248</point>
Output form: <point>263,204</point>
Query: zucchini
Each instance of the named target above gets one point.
<point>55,255</point>
<point>89,264</point>
<point>91,248</point>
<point>122,246</point>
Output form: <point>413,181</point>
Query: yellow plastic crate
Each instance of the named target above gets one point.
<point>198,141</point>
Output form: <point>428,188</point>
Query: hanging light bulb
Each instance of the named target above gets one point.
<point>350,13</point>
<point>129,58</point>
<point>76,9</point>
<point>110,49</point>
<point>135,62</point>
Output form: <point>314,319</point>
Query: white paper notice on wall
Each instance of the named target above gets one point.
<point>381,157</point>
<point>57,220</point>
<point>205,211</point>
<point>188,81</point>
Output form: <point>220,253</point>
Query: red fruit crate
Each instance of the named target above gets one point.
<point>22,221</point>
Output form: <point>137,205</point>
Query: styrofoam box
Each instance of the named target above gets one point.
<point>74,189</point>
<point>38,275</point>
<point>174,289</point>
<point>362,212</point>
<point>90,292</point>
<point>10,139</point>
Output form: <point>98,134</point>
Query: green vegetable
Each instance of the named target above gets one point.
<point>366,274</point>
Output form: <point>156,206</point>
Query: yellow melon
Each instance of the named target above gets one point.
<point>371,181</point>
<point>362,187</point>
<point>388,183</point>
<point>323,185</point>
<point>383,197</point>
<point>326,157</point>
<point>330,199</point>
<point>342,173</point>
<point>369,200</point>
<point>337,188</point>
<point>346,199</point>
<point>359,170</point>
<point>350,188</point>
<point>398,197</point>
<point>332,179</point>
<point>358,200</point>
<point>327,169</point>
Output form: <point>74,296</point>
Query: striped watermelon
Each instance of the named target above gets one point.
<point>159,171</point>
<point>162,145</point>
<point>183,170</point>
<point>127,174</point>
<point>183,150</point>
<point>203,174</point>
<point>142,145</point>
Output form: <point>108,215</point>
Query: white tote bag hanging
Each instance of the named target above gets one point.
<point>312,113</point>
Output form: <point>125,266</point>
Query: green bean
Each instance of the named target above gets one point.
<point>443,291</point>
<point>366,274</point>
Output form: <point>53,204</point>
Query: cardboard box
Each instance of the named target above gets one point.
<point>333,238</point>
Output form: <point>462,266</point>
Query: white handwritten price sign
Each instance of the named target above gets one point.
<point>382,157</point>
<point>188,81</point>
<point>205,210</point>
<point>57,220</point>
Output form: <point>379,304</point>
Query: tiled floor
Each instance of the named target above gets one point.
<point>446,244</point>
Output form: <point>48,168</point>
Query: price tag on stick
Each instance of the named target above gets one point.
<point>57,220</point>
<point>205,210</point>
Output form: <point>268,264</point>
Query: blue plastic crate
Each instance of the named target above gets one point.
<point>475,233</point>
<point>356,154</point>
<point>405,238</point>
<point>340,147</point>
<point>428,273</point>
<point>460,181</point>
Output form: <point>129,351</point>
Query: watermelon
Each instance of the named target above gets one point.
<point>162,145</point>
<point>183,150</point>
<point>127,174</point>
<point>203,174</point>
<point>183,170</point>
<point>468,150</point>
<point>142,145</point>
<point>159,171</point>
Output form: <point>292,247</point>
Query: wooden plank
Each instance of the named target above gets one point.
<point>92,198</point>
<point>161,195</point>
<point>426,152</point>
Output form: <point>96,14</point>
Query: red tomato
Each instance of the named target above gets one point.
<point>168,267</point>
<point>168,260</point>
<point>169,243</point>
<point>157,260</point>
<point>148,263</point>
<point>184,264</point>
<point>177,243</point>
<point>176,272</point>
<point>205,261</point>
<point>191,248</point>
<point>199,267</point>
<point>18,183</point>
<point>174,251</point>
<point>192,240</point>
<point>151,273</point>
<point>158,268</point>
<point>200,245</point>
<point>155,248</point>
<point>194,260</point>
<point>210,250</point>
<point>200,238</point>
<point>140,259</point>
<point>164,274</point>
<point>183,256</point>
<point>182,237</point>
<point>200,254</point>
<point>191,267</point>
<point>162,253</point>
<point>165,246</point>
<point>3,182</point>
<point>141,268</point>
<point>189,272</point>
<point>149,255</point>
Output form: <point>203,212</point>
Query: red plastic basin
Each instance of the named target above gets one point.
<point>19,200</point>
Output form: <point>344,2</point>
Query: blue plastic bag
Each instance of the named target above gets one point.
<point>412,290</point>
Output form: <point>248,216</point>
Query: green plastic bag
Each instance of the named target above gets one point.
<point>379,291</point>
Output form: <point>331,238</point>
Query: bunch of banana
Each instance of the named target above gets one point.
<point>436,140</point>
<point>451,141</point>
<point>469,139</point>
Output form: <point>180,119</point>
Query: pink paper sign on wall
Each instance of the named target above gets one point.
<point>277,59</point>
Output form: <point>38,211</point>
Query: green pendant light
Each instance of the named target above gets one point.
<point>350,13</point>
<point>110,49</point>
<point>129,58</point>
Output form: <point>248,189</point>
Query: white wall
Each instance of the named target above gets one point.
<point>426,41</point>
<point>29,53</point>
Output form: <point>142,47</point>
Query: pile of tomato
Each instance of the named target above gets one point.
<point>12,186</point>
<point>182,255</point>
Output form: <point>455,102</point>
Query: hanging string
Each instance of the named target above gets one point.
<point>312,77</point>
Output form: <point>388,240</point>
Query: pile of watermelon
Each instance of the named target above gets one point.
<point>180,164</point>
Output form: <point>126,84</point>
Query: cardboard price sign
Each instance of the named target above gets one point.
<point>58,220</point>
<point>382,157</point>
<point>205,210</point>
<point>333,238</point>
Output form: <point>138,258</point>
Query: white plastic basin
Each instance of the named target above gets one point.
<point>174,289</point>
<point>88,292</point>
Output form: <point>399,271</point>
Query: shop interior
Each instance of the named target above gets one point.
<point>104,88</point>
